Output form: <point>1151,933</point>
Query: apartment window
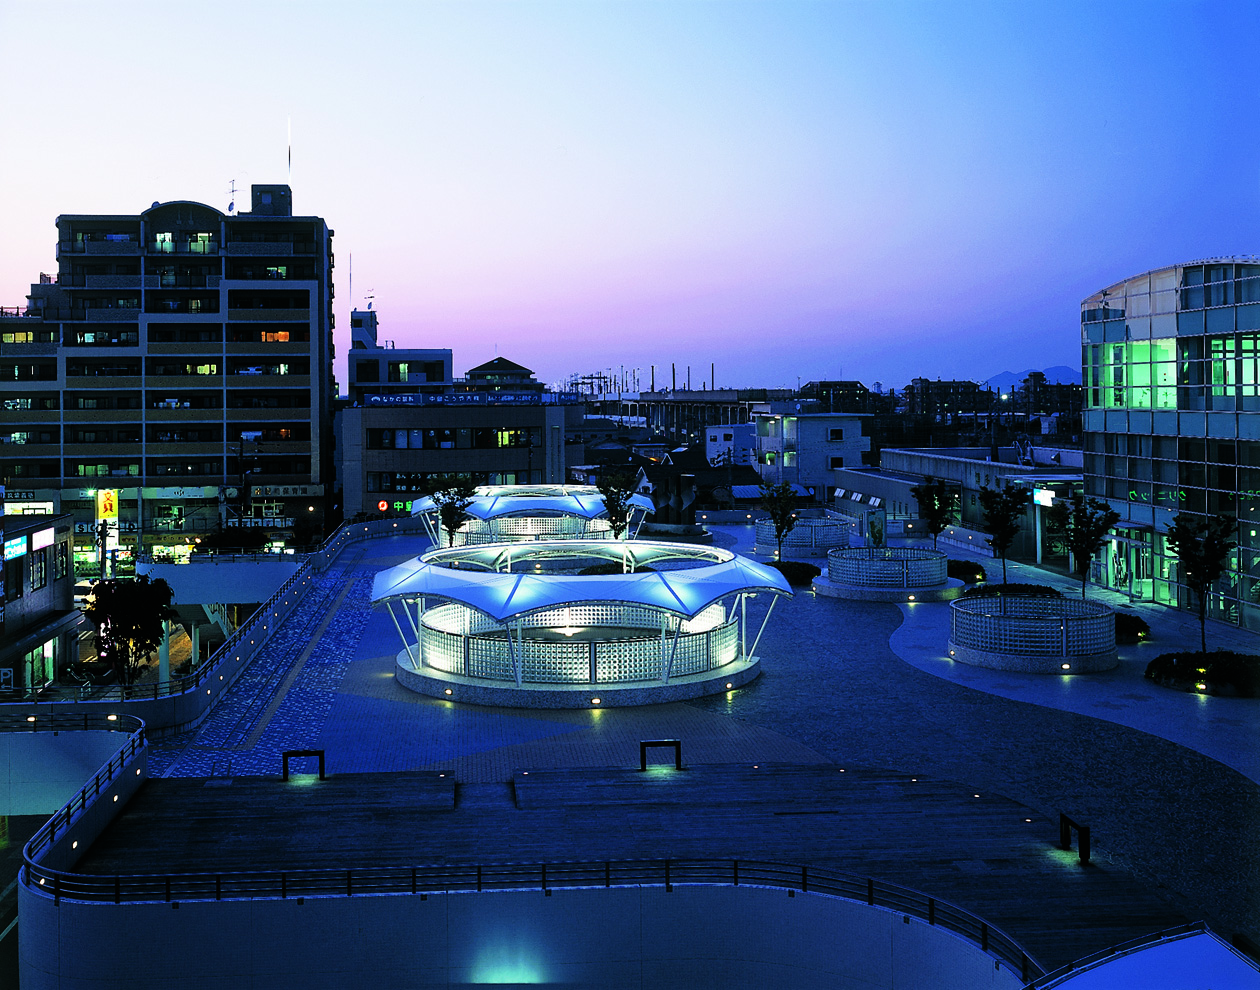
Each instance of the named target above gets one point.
<point>13,579</point>
<point>835,462</point>
<point>62,559</point>
<point>835,433</point>
<point>39,568</point>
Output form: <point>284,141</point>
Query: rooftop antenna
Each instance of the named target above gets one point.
<point>371,295</point>
<point>232,195</point>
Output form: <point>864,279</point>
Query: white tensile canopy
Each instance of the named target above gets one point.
<point>505,595</point>
<point>492,501</point>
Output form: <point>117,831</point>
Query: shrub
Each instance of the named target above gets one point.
<point>612,567</point>
<point>1012,591</point>
<point>1220,672</point>
<point>1131,628</point>
<point>795,571</point>
<point>967,571</point>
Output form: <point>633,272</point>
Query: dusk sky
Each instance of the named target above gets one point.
<point>816,190</point>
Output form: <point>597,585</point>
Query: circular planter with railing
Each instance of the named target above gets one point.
<point>520,624</point>
<point>810,537</point>
<point>1033,635</point>
<point>888,574</point>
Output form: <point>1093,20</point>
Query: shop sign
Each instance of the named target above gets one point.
<point>42,538</point>
<point>15,548</point>
<point>292,491</point>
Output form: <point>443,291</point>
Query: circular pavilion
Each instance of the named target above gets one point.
<point>888,574</point>
<point>520,624</point>
<point>512,513</point>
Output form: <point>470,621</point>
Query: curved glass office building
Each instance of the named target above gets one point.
<point>1171,363</point>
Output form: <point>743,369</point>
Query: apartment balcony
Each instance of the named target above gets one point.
<point>70,280</point>
<point>176,448</point>
<point>161,281</point>
<point>185,248</point>
<point>28,350</point>
<point>24,451</point>
<point>107,315</point>
<point>259,381</point>
<point>91,416</point>
<point>96,382</point>
<point>181,383</point>
<point>267,415</point>
<point>105,450</point>
<point>265,351</point>
<point>98,248</point>
<point>188,348</point>
<point>169,414</point>
<point>270,315</point>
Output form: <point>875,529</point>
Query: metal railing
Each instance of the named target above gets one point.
<point>250,636</point>
<point>888,567</point>
<point>808,532</point>
<point>72,809</point>
<point>246,885</point>
<point>1036,627</point>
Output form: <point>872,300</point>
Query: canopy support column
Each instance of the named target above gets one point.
<point>416,630</point>
<point>669,666</point>
<point>514,650</point>
<point>773,602</point>
<point>743,624</point>
<point>406,645</point>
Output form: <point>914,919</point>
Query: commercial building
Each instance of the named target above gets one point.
<point>496,426</point>
<point>39,625</point>
<point>179,365</point>
<point>1171,362</point>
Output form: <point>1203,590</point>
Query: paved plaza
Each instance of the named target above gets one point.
<point>1167,781</point>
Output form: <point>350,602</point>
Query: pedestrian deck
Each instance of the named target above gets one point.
<point>982,852</point>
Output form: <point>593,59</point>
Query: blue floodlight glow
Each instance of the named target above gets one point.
<point>507,964</point>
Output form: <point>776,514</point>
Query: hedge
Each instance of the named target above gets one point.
<point>1218,671</point>
<point>797,572</point>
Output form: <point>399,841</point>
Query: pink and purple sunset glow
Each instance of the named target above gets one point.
<point>813,190</point>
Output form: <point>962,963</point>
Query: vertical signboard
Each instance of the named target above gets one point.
<point>107,513</point>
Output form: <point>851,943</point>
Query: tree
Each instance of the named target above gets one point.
<point>1201,546</point>
<point>128,614</point>
<point>616,487</point>
<point>936,501</point>
<point>780,502</point>
<point>1003,512</point>
<point>1084,524</point>
<point>453,502</point>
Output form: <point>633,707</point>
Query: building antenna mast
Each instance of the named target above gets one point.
<point>232,197</point>
<point>290,127</point>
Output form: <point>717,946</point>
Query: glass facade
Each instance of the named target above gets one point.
<point>1171,369</point>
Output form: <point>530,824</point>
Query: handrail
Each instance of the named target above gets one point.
<point>259,626</point>
<point>61,722</point>
<point>1047,980</point>
<point>253,884</point>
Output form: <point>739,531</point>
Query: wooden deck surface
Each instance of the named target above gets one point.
<point>934,836</point>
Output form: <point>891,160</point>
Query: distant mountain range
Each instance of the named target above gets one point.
<point>1059,373</point>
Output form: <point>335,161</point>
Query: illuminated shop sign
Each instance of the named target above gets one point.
<point>41,539</point>
<point>15,548</point>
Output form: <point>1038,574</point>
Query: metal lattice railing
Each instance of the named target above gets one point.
<point>888,567</point>
<point>812,533</point>
<point>1035,627</point>
<point>458,640</point>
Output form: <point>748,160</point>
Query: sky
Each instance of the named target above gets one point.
<point>869,190</point>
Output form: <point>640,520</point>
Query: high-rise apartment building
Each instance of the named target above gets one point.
<point>181,359</point>
<point>1171,364</point>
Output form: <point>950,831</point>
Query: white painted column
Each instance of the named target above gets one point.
<point>196,645</point>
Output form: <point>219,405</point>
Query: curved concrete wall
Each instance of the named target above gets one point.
<point>625,937</point>
<point>41,771</point>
